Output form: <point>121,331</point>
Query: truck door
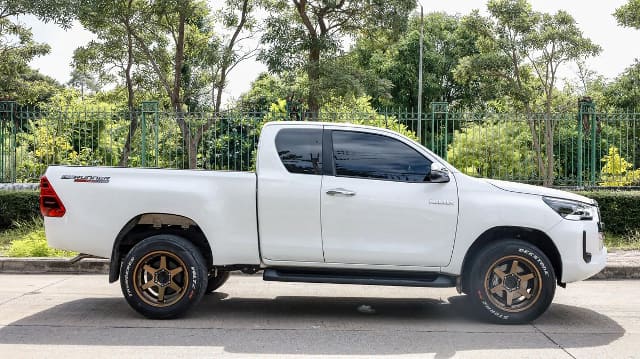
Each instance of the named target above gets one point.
<point>289,180</point>
<point>377,207</point>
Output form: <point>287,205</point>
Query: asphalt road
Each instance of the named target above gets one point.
<point>69,316</point>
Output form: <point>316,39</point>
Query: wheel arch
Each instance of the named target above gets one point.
<point>529,235</point>
<point>148,224</point>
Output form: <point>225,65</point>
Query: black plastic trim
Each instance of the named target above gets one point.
<point>586,256</point>
<point>396,278</point>
<point>328,168</point>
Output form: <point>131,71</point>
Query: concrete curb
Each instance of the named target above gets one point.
<point>101,266</point>
<point>53,265</point>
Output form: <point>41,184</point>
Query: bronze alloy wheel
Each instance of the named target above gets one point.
<point>513,283</point>
<point>160,278</point>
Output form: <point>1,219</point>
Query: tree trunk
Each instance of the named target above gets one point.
<point>536,142</point>
<point>313,72</point>
<point>548,139</point>
<point>133,116</point>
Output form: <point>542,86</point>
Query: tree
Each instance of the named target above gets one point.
<point>447,39</point>
<point>525,49</point>
<point>629,14</point>
<point>236,16</point>
<point>304,34</point>
<point>557,40</point>
<point>57,11</point>
<point>17,48</point>
<point>624,92</point>
<point>113,54</point>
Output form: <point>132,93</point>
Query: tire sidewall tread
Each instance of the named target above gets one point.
<point>494,251</point>
<point>188,253</point>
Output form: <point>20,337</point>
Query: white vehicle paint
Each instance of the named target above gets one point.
<point>278,219</point>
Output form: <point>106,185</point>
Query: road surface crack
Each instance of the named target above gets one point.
<point>553,341</point>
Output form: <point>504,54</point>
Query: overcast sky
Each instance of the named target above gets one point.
<point>620,45</point>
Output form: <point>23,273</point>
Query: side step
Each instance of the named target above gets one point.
<point>396,278</point>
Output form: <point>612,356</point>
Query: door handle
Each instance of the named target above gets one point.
<point>341,192</point>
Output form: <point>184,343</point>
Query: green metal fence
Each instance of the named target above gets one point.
<point>587,148</point>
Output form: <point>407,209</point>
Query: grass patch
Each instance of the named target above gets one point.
<point>27,239</point>
<point>625,242</point>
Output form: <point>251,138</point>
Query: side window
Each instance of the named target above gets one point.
<point>366,155</point>
<point>300,150</point>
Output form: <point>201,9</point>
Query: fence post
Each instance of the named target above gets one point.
<point>150,107</point>
<point>580,150</point>
<point>442,109</point>
<point>587,121</point>
<point>594,128</point>
<point>7,109</point>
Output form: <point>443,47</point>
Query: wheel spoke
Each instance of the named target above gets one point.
<point>148,285</point>
<point>161,294</point>
<point>523,292</point>
<point>175,271</point>
<point>514,267</point>
<point>149,269</point>
<point>510,298</point>
<point>499,273</point>
<point>498,289</point>
<point>175,287</point>
<point>163,262</point>
<point>525,278</point>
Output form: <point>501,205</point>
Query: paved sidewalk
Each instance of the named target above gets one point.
<point>624,258</point>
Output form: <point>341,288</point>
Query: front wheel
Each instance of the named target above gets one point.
<point>163,276</point>
<point>511,282</point>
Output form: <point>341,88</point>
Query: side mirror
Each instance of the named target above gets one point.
<point>439,176</point>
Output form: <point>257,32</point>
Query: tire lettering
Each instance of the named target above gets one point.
<point>126,276</point>
<point>536,258</point>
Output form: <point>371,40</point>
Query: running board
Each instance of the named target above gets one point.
<point>403,279</point>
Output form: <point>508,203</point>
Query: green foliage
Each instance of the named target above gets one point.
<point>629,14</point>
<point>359,111</point>
<point>623,93</point>
<point>447,39</point>
<point>619,209</point>
<point>16,206</point>
<point>494,149</point>
<point>308,35</point>
<point>616,171</point>
<point>34,244</point>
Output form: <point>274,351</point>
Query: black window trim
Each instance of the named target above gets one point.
<point>331,167</point>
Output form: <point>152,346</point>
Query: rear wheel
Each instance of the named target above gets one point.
<point>216,281</point>
<point>163,276</point>
<point>511,282</point>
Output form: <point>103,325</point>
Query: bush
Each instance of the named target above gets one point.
<point>620,210</point>
<point>34,244</point>
<point>18,206</point>
<point>27,239</point>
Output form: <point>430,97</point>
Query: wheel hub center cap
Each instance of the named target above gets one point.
<point>511,282</point>
<point>162,278</point>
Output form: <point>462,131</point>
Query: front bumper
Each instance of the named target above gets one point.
<point>581,248</point>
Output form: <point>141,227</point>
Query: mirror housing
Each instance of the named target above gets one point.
<point>439,176</point>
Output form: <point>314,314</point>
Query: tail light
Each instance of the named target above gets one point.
<point>50,203</point>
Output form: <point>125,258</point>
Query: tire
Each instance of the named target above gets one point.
<point>217,281</point>
<point>163,276</point>
<point>511,282</point>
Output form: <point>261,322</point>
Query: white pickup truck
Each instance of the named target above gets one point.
<point>328,203</point>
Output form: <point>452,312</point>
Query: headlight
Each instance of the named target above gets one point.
<point>575,211</point>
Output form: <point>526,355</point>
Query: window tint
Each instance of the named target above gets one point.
<point>300,150</point>
<point>359,154</point>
